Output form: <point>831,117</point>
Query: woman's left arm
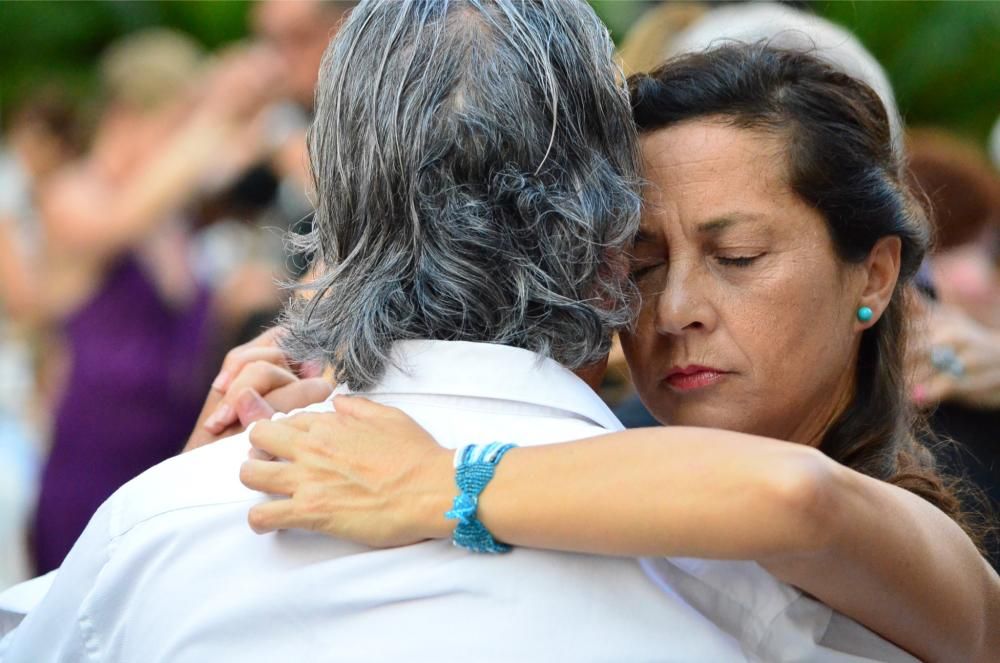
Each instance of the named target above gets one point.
<point>875,552</point>
<point>899,565</point>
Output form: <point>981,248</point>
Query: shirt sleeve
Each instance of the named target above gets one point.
<point>57,629</point>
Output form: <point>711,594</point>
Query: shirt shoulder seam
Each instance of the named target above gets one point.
<point>123,530</point>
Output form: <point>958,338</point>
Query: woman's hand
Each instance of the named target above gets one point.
<point>367,473</point>
<point>256,380</point>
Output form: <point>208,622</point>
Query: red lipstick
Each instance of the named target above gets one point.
<point>689,378</point>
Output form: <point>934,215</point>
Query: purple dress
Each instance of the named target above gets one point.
<point>140,371</point>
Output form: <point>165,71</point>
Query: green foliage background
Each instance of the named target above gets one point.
<point>943,57</point>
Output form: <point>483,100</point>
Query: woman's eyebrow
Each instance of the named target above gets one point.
<point>724,222</point>
<point>715,226</point>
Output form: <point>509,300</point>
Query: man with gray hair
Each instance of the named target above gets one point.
<point>476,169</point>
<point>476,181</point>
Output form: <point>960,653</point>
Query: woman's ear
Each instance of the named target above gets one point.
<point>881,271</point>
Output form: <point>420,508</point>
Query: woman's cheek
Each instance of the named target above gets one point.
<point>638,347</point>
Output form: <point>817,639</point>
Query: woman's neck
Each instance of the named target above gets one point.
<point>813,428</point>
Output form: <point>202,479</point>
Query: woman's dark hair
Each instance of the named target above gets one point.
<point>841,161</point>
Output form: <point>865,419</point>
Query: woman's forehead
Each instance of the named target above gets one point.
<point>714,173</point>
<point>695,149</point>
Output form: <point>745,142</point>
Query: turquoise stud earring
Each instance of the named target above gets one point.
<point>864,314</point>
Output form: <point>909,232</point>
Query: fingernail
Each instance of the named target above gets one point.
<point>919,394</point>
<point>311,369</point>
<point>251,406</point>
<point>257,454</point>
<point>220,418</point>
<point>221,381</point>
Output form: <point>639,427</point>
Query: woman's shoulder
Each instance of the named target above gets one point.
<point>772,620</point>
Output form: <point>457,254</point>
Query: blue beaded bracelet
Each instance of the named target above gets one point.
<point>475,465</point>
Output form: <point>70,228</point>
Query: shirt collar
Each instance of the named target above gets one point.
<point>486,370</point>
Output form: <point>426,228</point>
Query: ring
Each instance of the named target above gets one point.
<point>945,360</point>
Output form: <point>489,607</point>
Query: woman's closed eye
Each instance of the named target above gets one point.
<point>737,261</point>
<point>645,268</point>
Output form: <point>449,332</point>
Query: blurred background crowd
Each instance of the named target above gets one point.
<point>153,161</point>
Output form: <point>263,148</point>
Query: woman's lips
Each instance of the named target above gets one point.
<point>690,378</point>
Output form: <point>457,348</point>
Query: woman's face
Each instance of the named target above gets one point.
<point>748,316</point>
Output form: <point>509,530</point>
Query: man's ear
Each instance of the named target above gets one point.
<point>880,273</point>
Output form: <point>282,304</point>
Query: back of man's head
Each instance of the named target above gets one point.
<point>476,168</point>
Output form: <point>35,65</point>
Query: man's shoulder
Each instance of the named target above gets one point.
<point>202,477</point>
<point>209,475</point>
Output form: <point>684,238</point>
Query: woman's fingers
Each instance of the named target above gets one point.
<point>243,354</point>
<point>274,515</point>
<point>261,376</point>
<point>361,407</point>
<point>275,438</point>
<point>299,394</point>
<point>257,380</point>
<point>251,406</point>
<point>238,358</point>
<point>363,472</point>
<point>308,369</point>
<point>307,420</point>
<point>269,476</point>
<point>257,454</point>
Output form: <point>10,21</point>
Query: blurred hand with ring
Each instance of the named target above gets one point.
<point>956,359</point>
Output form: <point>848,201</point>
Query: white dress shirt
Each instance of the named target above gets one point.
<point>168,569</point>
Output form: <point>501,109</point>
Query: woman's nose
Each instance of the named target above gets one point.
<point>683,306</point>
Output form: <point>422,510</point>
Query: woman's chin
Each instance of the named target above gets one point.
<point>703,414</point>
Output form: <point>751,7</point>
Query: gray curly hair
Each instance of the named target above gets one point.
<point>476,171</point>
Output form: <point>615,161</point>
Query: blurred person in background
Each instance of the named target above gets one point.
<point>275,188</point>
<point>956,370</point>
<point>675,28</point>
<point>963,190</point>
<point>299,31</point>
<point>42,135</point>
<point>115,277</point>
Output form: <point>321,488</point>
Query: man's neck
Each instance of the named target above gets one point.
<point>593,375</point>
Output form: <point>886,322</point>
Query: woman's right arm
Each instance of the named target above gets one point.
<point>875,552</point>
